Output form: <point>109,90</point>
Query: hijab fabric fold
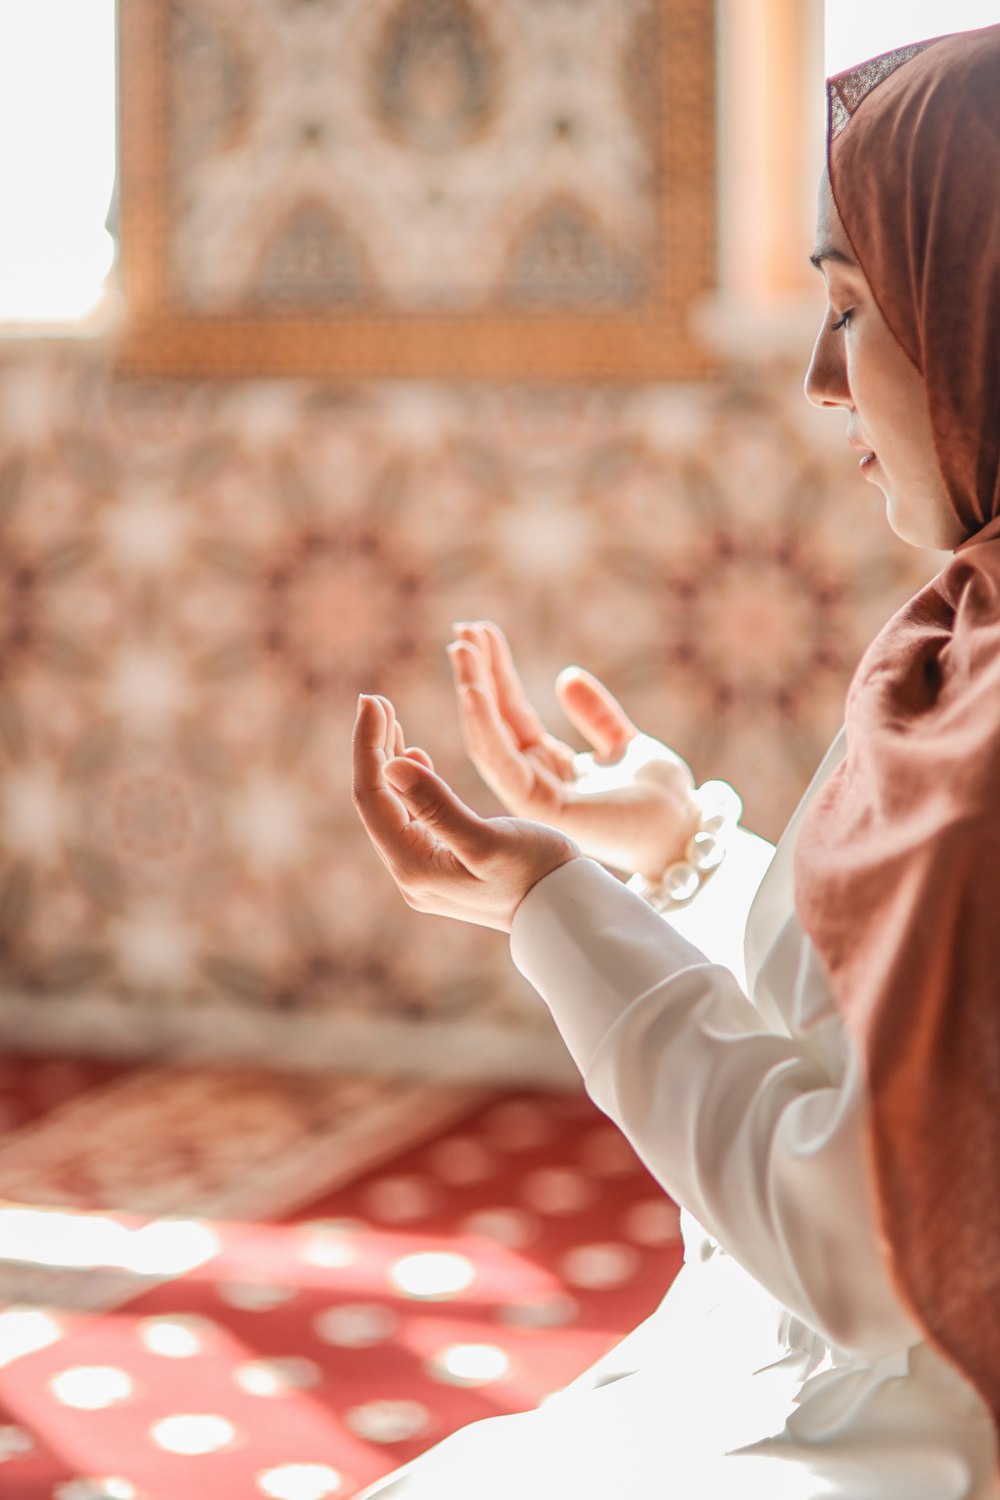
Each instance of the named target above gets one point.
<point>898,860</point>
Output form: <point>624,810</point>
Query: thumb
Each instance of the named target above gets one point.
<point>433,802</point>
<point>594,711</point>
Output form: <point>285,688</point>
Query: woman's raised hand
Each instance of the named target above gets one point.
<point>443,857</point>
<point>628,803</point>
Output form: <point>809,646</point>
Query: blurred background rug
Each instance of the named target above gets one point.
<point>230,1284</point>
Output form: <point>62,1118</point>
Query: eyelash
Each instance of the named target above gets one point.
<point>841,322</point>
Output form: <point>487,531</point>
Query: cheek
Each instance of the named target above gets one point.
<point>889,395</point>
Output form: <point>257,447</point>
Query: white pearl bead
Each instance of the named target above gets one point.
<point>705,851</point>
<point>714,822</point>
<point>718,797</point>
<point>680,881</point>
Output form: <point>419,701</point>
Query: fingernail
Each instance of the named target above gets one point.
<point>457,625</point>
<point>454,647</point>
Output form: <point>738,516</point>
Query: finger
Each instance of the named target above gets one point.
<point>469,664</point>
<point>432,801</point>
<point>527,726</point>
<point>476,638</point>
<point>493,750</point>
<point>368,744</point>
<point>594,711</point>
<point>383,815</point>
<point>389,745</point>
<point>399,745</point>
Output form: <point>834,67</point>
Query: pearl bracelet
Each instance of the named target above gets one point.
<point>720,810</point>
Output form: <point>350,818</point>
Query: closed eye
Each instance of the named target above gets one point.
<point>841,322</point>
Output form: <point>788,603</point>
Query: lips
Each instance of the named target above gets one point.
<point>867,454</point>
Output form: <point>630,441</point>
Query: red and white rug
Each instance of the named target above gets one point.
<point>242,1285</point>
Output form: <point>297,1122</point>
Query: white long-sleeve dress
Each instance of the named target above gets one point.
<point>781,1364</point>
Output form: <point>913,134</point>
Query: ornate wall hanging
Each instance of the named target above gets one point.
<point>416,187</point>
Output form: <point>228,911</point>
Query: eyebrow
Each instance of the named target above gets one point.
<point>829,252</point>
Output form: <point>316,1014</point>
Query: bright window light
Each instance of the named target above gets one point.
<point>858,29</point>
<point>57,157</point>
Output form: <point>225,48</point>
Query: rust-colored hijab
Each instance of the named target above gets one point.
<point>898,861</point>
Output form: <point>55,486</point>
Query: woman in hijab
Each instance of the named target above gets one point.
<point>833,1132</point>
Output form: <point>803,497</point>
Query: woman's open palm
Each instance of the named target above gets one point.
<point>628,802</point>
<point>444,857</point>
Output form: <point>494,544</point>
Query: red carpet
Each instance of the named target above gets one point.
<point>472,1272</point>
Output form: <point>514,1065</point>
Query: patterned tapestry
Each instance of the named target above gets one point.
<point>197,579</point>
<point>415,184</point>
<point>432,154</point>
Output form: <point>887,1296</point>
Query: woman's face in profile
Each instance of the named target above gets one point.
<point>857,364</point>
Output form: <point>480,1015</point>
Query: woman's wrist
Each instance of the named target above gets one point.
<point>719,809</point>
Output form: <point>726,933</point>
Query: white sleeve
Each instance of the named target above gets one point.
<point>742,1126</point>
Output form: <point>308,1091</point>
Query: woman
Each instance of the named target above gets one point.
<point>833,1136</point>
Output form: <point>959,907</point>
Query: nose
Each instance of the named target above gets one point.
<point>826,381</point>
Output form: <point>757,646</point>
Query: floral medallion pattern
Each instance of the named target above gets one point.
<point>197,580</point>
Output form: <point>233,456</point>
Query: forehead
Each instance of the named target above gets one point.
<point>830,232</point>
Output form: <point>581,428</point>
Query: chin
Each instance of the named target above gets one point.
<point>922,527</point>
